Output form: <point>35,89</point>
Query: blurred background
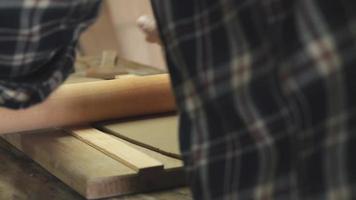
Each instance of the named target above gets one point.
<point>116,29</point>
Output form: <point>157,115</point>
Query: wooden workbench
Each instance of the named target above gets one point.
<point>22,179</point>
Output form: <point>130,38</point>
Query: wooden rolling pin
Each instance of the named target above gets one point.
<point>81,103</point>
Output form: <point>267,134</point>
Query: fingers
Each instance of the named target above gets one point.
<point>148,26</point>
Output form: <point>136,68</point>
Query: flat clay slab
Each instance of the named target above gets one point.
<point>158,133</point>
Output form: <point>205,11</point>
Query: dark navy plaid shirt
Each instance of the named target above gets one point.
<point>265,88</point>
<point>266,94</point>
<point>37,46</point>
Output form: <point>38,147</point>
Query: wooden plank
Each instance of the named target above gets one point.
<point>117,150</point>
<point>170,163</point>
<point>90,172</point>
<point>158,133</point>
<point>80,166</point>
<point>21,179</point>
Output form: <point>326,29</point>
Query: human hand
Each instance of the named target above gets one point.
<point>149,27</point>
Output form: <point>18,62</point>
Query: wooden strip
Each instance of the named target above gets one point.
<point>90,172</point>
<point>80,103</point>
<point>117,150</point>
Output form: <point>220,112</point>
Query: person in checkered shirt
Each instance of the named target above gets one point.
<point>265,88</point>
<point>37,46</point>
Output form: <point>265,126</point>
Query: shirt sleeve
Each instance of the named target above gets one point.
<point>37,46</point>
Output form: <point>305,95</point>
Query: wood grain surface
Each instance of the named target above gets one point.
<point>23,179</point>
<point>116,149</point>
<point>90,172</point>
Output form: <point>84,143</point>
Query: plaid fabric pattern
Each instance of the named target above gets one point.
<point>37,46</point>
<point>266,95</point>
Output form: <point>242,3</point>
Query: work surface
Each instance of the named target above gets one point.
<point>22,179</point>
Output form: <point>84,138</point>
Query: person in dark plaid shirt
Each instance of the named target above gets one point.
<point>264,88</point>
<point>266,95</point>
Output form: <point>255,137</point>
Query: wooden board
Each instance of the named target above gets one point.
<point>117,149</point>
<point>22,179</point>
<point>89,171</point>
<point>158,133</point>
